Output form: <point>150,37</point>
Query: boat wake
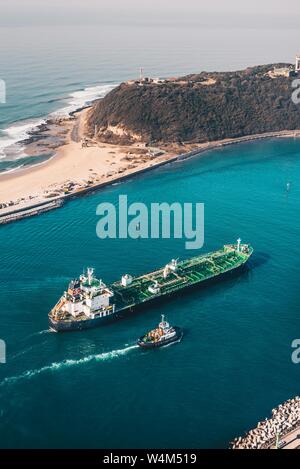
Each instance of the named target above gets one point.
<point>45,331</point>
<point>56,366</point>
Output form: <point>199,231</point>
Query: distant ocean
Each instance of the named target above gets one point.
<point>53,71</point>
<point>95,388</point>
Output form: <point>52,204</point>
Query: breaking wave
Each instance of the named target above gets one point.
<point>18,132</point>
<point>83,98</point>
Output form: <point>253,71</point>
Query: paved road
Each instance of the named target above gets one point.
<point>292,440</point>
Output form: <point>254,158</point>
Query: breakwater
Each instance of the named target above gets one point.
<point>37,209</point>
<point>285,419</point>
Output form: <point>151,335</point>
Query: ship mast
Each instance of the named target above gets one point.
<point>90,272</point>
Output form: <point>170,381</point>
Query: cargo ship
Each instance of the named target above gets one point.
<point>89,302</point>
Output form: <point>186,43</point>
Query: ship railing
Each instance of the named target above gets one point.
<point>200,260</point>
<point>58,305</point>
<point>171,282</point>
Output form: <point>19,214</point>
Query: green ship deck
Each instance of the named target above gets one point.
<point>188,272</point>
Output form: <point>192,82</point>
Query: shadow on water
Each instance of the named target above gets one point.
<point>258,259</point>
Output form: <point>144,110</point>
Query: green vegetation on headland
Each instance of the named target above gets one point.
<point>197,108</point>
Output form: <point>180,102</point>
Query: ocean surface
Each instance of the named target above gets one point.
<point>96,388</point>
<point>52,70</point>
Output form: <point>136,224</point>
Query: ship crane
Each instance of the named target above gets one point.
<point>166,271</point>
<point>172,267</point>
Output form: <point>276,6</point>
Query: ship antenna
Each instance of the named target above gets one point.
<point>90,275</point>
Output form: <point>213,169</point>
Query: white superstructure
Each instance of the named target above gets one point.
<point>87,297</point>
<point>168,332</point>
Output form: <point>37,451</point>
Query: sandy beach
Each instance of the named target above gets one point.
<point>74,167</point>
<point>79,165</point>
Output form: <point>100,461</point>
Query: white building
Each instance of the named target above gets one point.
<point>297,67</point>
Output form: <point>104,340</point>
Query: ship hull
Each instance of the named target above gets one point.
<point>68,326</point>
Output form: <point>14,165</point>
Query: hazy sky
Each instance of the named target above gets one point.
<point>207,13</point>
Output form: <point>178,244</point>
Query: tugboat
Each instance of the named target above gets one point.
<point>164,334</point>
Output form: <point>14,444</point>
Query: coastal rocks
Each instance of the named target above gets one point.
<point>25,212</point>
<point>108,136</point>
<point>15,203</point>
<point>285,418</point>
<point>11,203</point>
<point>3,205</point>
<point>52,195</point>
<point>47,137</point>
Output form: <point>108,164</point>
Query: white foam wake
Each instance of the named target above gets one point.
<point>56,366</point>
<point>21,131</point>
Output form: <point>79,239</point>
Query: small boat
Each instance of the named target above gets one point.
<point>163,335</point>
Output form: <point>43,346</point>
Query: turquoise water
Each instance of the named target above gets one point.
<point>94,388</point>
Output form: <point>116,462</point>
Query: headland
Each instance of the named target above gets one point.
<point>141,125</point>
